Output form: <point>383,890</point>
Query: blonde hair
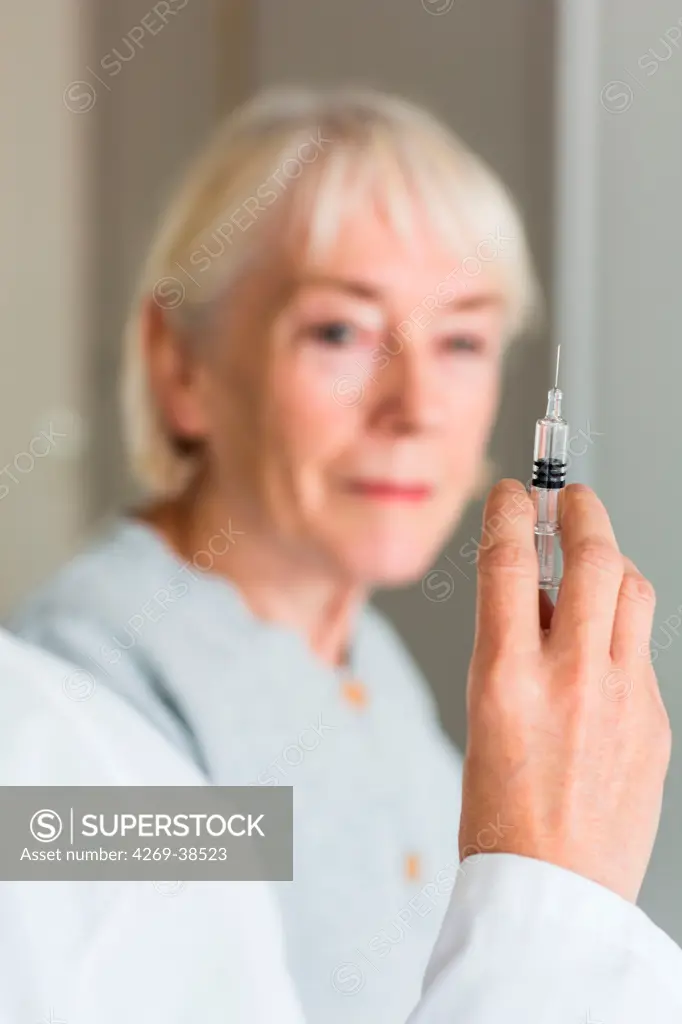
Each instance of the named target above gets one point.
<point>325,150</point>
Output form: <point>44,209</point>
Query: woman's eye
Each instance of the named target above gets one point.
<point>332,332</point>
<point>464,343</point>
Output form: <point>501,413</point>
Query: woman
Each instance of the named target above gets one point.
<point>311,377</point>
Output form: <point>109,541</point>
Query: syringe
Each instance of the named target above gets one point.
<point>549,477</point>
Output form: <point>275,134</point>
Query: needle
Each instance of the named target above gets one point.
<point>558,355</point>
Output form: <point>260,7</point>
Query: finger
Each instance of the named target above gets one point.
<point>593,570</point>
<point>634,616</point>
<point>507,595</point>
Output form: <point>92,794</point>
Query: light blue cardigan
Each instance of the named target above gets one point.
<point>376,786</point>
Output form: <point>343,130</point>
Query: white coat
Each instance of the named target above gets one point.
<point>523,942</point>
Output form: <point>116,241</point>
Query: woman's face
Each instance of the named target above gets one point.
<point>358,398</point>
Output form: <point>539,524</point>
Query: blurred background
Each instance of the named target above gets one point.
<point>576,103</point>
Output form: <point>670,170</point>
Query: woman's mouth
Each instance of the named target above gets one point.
<point>388,490</point>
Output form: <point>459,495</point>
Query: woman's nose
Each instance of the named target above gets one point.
<point>408,397</point>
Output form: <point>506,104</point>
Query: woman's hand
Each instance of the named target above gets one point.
<point>569,740</point>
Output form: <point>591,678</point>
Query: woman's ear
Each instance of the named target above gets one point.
<point>175,375</point>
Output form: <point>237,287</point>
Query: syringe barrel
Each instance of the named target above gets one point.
<point>549,478</point>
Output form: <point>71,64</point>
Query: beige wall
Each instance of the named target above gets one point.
<point>632,369</point>
<point>150,118</point>
<point>90,146</point>
<point>44,277</point>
